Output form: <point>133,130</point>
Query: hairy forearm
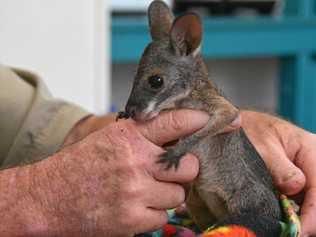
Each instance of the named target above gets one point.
<point>40,199</point>
<point>29,200</point>
<point>20,210</point>
<point>76,191</point>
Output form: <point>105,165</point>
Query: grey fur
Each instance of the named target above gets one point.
<point>160,20</point>
<point>233,179</point>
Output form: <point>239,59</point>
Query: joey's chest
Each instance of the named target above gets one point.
<point>221,162</point>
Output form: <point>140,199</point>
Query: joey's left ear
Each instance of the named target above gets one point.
<point>160,19</point>
<point>186,35</point>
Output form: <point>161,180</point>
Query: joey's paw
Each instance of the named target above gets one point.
<point>171,158</point>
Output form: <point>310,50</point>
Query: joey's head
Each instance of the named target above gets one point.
<point>169,65</point>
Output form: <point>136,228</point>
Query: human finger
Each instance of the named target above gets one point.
<point>306,160</point>
<point>286,176</point>
<point>171,125</point>
<point>233,126</point>
<point>163,195</point>
<point>151,220</point>
<point>188,169</point>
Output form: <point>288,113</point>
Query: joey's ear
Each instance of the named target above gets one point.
<point>160,19</point>
<point>186,35</point>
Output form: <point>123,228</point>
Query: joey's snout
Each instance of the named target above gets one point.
<point>130,110</point>
<point>140,110</point>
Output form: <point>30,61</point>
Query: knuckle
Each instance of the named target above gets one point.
<point>129,217</point>
<point>122,128</point>
<point>120,137</point>
<point>292,179</point>
<point>179,196</point>
<point>176,122</point>
<point>157,221</point>
<point>131,181</point>
<point>134,163</point>
<point>161,220</point>
<point>131,190</point>
<point>126,135</point>
<point>190,164</point>
<point>127,221</point>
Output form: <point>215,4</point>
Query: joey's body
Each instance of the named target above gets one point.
<point>233,180</point>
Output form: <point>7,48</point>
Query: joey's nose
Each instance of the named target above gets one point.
<point>131,111</point>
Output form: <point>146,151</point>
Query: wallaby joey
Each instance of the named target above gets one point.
<point>234,186</point>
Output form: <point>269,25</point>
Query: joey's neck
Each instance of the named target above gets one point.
<point>200,73</point>
<point>204,87</point>
<point>201,86</point>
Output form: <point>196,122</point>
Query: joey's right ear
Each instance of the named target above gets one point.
<point>186,35</point>
<point>160,19</point>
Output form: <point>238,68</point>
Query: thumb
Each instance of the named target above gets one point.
<point>234,125</point>
<point>287,177</point>
<point>172,125</point>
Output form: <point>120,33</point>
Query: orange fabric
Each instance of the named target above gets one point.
<point>229,231</point>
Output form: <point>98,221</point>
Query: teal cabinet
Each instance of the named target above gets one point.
<point>291,37</point>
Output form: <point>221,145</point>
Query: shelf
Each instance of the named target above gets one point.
<point>291,38</point>
<point>224,38</point>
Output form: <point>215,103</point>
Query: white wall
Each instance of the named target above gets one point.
<point>62,40</point>
<point>132,5</point>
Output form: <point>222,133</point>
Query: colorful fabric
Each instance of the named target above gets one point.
<point>291,227</point>
<point>181,225</point>
<point>229,231</point>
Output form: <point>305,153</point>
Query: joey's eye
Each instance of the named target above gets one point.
<point>155,81</point>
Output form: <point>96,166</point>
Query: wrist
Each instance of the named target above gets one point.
<point>20,210</point>
<point>32,199</point>
<point>53,194</point>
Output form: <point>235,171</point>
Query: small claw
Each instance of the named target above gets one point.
<point>162,160</point>
<point>165,161</point>
<point>170,159</point>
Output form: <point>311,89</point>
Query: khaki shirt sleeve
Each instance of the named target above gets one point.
<point>33,125</point>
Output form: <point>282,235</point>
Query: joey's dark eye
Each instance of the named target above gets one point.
<point>155,81</point>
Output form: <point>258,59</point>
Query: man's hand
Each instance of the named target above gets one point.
<point>290,154</point>
<point>107,184</point>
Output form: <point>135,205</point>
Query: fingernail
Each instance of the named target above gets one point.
<point>289,177</point>
<point>236,122</point>
<point>292,183</point>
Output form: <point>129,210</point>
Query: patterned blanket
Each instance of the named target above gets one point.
<point>181,225</point>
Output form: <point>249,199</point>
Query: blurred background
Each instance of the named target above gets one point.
<point>261,53</point>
